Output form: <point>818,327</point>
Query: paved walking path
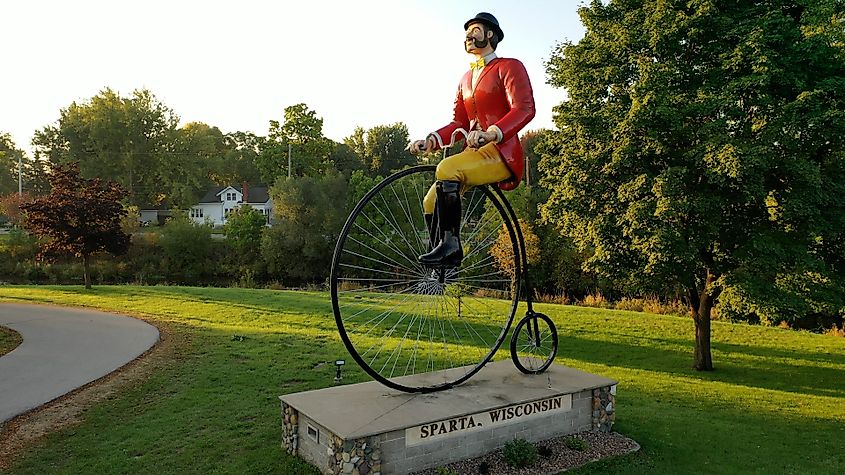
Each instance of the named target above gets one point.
<point>63,349</point>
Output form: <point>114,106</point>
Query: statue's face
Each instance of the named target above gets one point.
<point>476,40</point>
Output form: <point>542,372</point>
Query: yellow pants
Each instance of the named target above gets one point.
<point>472,167</point>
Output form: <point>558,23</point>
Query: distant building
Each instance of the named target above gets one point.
<point>154,215</point>
<point>219,201</point>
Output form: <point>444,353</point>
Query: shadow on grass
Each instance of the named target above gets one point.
<point>773,375</point>
<point>688,435</point>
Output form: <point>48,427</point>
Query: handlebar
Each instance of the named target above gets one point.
<point>463,132</point>
<point>452,140</point>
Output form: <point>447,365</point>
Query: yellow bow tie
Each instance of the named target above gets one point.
<point>477,64</point>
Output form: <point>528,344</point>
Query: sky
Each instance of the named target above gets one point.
<point>237,64</point>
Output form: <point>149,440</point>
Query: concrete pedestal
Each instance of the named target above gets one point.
<point>368,428</point>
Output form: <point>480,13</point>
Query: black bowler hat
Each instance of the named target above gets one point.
<point>488,20</point>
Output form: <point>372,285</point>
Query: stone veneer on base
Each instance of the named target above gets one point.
<point>604,408</point>
<point>358,457</point>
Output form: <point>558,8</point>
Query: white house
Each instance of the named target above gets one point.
<point>218,202</point>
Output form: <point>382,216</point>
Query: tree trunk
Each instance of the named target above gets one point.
<point>86,270</point>
<point>701,303</point>
<point>702,359</point>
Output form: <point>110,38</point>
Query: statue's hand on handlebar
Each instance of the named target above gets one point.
<point>421,146</point>
<point>477,138</point>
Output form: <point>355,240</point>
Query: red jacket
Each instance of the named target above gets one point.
<point>502,97</point>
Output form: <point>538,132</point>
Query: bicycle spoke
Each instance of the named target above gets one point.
<point>386,242</point>
<point>353,239</point>
<point>408,214</point>
<point>393,222</point>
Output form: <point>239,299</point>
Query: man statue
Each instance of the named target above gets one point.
<point>494,103</point>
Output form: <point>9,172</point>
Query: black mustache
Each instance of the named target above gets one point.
<point>477,43</point>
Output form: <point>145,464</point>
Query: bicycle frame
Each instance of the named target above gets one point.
<point>529,290</point>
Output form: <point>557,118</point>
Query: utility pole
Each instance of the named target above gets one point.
<point>288,159</point>
<point>528,171</point>
<point>20,175</point>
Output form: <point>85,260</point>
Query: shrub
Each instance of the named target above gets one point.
<point>835,331</point>
<point>247,279</point>
<point>544,451</point>
<point>575,443</point>
<point>276,285</point>
<point>187,249</point>
<point>561,298</point>
<point>594,300</point>
<point>652,304</point>
<point>633,305</point>
<point>492,294</point>
<point>34,273</point>
<point>243,229</point>
<point>519,453</point>
<point>671,307</point>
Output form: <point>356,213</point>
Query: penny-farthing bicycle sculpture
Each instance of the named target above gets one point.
<point>399,318</point>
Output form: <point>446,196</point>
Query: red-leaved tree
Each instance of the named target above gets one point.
<point>78,217</point>
<point>10,206</point>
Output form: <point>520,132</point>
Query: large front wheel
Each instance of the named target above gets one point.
<point>411,327</point>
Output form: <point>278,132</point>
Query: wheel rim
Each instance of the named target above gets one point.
<point>399,319</point>
<point>533,348</point>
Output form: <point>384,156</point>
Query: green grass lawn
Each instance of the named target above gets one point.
<point>775,404</point>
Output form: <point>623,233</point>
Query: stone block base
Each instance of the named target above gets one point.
<point>369,429</point>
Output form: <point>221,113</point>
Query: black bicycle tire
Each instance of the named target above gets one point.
<point>333,282</point>
<point>514,338</point>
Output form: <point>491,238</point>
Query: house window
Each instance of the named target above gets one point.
<point>196,212</point>
<point>230,196</point>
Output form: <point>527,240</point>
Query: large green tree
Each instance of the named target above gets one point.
<point>301,133</point>
<point>702,149</point>
<point>195,153</point>
<point>79,217</point>
<point>308,215</point>
<point>123,139</point>
<point>239,159</point>
<point>382,148</point>
<point>345,160</point>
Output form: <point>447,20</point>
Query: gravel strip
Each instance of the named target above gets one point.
<point>600,445</point>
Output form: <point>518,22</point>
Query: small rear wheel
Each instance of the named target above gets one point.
<point>534,343</point>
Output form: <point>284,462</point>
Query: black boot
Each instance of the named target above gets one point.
<point>449,252</point>
<point>431,225</point>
